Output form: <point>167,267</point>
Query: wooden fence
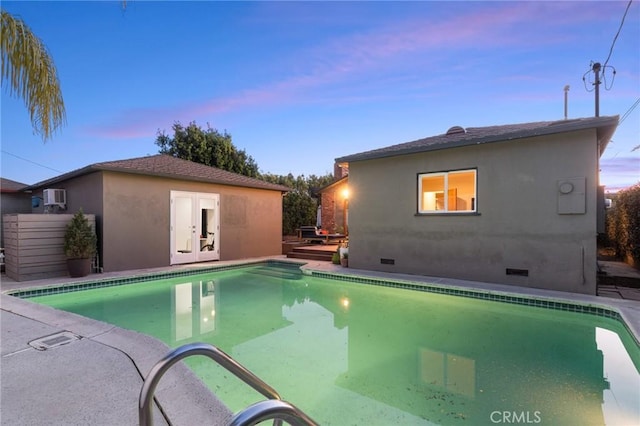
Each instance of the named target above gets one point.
<point>34,245</point>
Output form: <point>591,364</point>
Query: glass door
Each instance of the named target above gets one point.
<point>209,228</point>
<point>183,230</point>
<point>195,227</point>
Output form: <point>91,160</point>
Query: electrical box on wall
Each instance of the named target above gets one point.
<point>572,196</point>
<point>55,197</point>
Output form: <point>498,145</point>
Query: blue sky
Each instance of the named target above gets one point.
<point>298,84</point>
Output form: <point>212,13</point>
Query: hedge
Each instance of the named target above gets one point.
<point>623,225</point>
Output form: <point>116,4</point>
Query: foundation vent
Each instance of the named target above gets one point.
<point>518,272</point>
<point>58,339</point>
<point>388,261</point>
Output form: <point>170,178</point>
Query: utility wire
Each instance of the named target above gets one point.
<point>604,77</point>
<point>626,114</point>
<point>617,34</point>
<point>631,108</point>
<point>29,161</point>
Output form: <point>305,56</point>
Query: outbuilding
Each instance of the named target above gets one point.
<point>160,210</point>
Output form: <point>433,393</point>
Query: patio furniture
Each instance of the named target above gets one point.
<point>312,234</point>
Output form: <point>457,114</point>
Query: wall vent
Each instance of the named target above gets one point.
<point>388,261</point>
<point>518,272</point>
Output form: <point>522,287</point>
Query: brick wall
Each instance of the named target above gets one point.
<point>332,212</point>
<point>328,211</point>
<point>340,170</point>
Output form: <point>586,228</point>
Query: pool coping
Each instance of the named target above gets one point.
<point>180,396</point>
<point>626,311</point>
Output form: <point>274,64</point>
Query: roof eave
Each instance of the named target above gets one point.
<point>99,167</point>
<point>605,131</point>
<point>334,183</point>
<point>69,175</point>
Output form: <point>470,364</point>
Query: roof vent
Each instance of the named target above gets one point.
<point>456,130</point>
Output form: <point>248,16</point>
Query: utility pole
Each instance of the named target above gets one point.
<point>566,101</point>
<point>596,70</point>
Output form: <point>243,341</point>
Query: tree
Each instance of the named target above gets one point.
<point>31,75</point>
<point>212,148</point>
<point>208,147</point>
<point>299,206</point>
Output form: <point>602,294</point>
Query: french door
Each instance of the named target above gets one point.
<point>195,227</point>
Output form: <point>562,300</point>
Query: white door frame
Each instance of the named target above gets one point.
<point>190,213</point>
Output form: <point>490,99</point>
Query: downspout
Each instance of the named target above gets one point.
<point>584,277</point>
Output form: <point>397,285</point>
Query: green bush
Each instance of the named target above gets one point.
<point>623,224</point>
<point>79,238</point>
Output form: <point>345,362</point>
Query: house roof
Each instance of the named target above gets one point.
<point>8,185</point>
<point>334,183</point>
<point>459,137</point>
<point>171,167</point>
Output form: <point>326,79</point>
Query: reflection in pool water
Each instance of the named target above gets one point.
<point>356,354</point>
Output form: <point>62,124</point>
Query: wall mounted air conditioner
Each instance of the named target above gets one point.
<point>55,197</point>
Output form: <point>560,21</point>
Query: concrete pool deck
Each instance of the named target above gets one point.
<point>97,375</point>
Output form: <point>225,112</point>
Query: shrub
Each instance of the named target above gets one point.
<point>623,225</point>
<point>79,238</point>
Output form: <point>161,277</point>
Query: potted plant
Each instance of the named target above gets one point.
<point>79,245</point>
<point>344,261</point>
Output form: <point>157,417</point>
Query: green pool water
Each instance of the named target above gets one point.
<point>355,354</point>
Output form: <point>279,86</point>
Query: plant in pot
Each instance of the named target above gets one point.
<point>79,245</point>
<point>344,261</point>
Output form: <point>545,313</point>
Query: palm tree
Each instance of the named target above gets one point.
<point>31,75</point>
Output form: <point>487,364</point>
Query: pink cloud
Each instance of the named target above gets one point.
<point>620,172</point>
<point>345,59</point>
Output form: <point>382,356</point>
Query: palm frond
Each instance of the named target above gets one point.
<point>31,75</point>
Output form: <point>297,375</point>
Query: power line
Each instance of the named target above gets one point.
<point>631,108</point>
<point>32,162</point>
<point>596,68</point>
<point>617,34</point>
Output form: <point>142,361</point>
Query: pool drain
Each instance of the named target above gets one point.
<point>58,339</point>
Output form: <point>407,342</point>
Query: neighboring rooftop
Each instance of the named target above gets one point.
<point>458,136</point>
<point>8,185</point>
<point>167,166</point>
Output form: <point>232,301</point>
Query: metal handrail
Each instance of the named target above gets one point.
<point>284,411</point>
<point>269,410</point>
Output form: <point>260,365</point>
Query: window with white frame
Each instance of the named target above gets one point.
<point>447,192</point>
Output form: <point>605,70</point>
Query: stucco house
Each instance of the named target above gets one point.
<point>513,204</point>
<point>159,210</point>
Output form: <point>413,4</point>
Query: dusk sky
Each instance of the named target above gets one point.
<point>298,84</point>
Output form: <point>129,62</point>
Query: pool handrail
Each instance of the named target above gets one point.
<point>272,409</point>
<point>280,410</point>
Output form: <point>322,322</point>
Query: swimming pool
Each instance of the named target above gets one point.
<point>348,353</point>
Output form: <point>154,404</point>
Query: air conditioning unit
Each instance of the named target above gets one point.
<point>55,197</point>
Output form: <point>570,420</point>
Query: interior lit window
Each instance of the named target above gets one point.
<point>459,187</point>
